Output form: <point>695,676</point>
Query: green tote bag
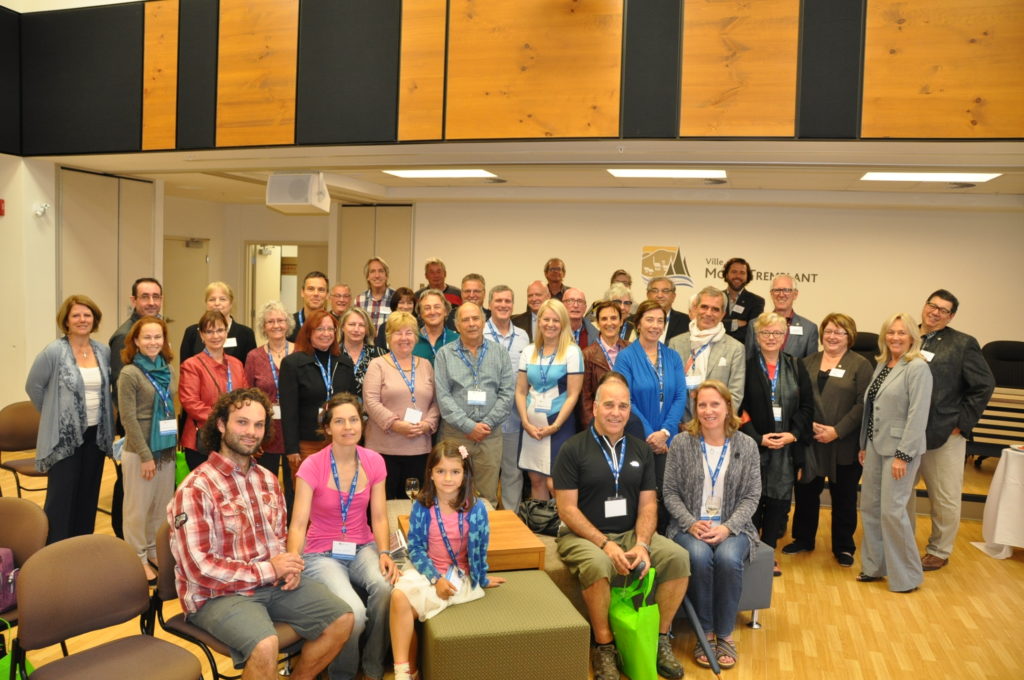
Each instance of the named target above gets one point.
<point>634,620</point>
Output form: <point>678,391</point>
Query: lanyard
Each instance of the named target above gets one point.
<point>607,355</point>
<point>302,317</point>
<point>273,367</point>
<point>443,339</point>
<point>227,366</point>
<point>444,534</point>
<point>544,370</point>
<point>659,373</point>
<point>479,360</point>
<point>359,361</point>
<point>409,382</point>
<point>773,381</point>
<point>718,468</point>
<point>327,374</point>
<point>576,335</point>
<point>351,490</point>
<point>693,355</point>
<point>615,465</point>
<point>164,394</point>
<point>497,336</point>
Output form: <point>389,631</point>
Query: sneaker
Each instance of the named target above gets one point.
<point>668,665</point>
<point>844,559</point>
<point>604,660</point>
<point>797,547</point>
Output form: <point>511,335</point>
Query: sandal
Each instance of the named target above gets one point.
<point>726,648</point>
<point>699,657</point>
<point>775,569</point>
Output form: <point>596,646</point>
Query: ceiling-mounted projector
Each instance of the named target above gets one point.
<point>302,193</point>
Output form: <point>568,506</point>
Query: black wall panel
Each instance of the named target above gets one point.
<point>198,22</point>
<point>347,88</point>
<point>650,73</point>
<point>82,80</point>
<point>831,69</point>
<point>10,82</point>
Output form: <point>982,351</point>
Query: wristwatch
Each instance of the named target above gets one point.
<point>645,547</point>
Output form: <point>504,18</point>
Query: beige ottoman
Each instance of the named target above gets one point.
<point>524,628</point>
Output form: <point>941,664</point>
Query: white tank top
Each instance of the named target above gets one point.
<point>93,385</point>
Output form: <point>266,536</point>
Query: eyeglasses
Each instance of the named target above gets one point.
<point>555,269</point>
<point>625,303</point>
<point>835,331</point>
<point>663,291</point>
<point>782,291</point>
<point>574,301</point>
<point>931,307</point>
<point>771,334</point>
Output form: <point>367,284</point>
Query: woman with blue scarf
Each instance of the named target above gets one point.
<point>146,403</point>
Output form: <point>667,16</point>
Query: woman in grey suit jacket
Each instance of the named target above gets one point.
<point>892,440</point>
<point>839,379</point>
<point>712,488</point>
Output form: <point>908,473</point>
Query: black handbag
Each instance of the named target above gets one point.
<point>540,516</point>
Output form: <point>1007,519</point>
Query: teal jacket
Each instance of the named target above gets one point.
<point>479,536</point>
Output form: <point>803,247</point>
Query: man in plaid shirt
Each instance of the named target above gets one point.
<point>234,578</point>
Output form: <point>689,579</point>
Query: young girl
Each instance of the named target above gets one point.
<point>448,536</point>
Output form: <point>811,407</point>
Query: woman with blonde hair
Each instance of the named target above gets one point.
<point>240,340</point>
<point>357,341</point>
<point>548,386</point>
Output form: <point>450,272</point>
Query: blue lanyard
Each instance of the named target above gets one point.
<point>479,360</point>
<point>497,336</point>
<point>576,335</point>
<point>410,383</point>
<point>351,490</point>
<point>444,534</point>
<point>327,374</point>
<point>607,356</point>
<point>544,370</point>
<point>773,381</point>
<point>443,339</point>
<point>226,365</point>
<point>615,468</point>
<point>164,394</point>
<point>302,317</point>
<point>659,373</point>
<point>359,361</point>
<point>273,368</point>
<point>700,350</point>
<point>718,468</point>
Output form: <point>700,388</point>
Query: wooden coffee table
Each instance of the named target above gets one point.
<point>513,546</point>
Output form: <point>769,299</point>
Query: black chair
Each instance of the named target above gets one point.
<point>1002,422</point>
<point>289,641</point>
<point>19,424</point>
<point>866,346</point>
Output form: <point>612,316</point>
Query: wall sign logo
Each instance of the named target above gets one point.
<point>665,261</point>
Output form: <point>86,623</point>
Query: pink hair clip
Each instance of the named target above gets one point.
<point>463,452</point>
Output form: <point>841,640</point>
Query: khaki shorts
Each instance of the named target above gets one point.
<point>590,564</point>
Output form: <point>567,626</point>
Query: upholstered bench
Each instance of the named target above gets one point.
<point>524,628</point>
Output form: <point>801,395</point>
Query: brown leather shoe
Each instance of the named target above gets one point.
<point>933,562</point>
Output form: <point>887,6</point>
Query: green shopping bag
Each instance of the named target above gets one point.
<point>180,468</point>
<point>634,620</point>
<point>6,658</point>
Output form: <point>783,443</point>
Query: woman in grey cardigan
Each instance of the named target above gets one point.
<point>69,384</point>
<point>145,398</point>
<point>712,488</point>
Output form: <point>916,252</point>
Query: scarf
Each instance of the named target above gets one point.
<point>698,339</point>
<point>159,374</point>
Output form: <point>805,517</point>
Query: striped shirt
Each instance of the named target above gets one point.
<point>226,524</point>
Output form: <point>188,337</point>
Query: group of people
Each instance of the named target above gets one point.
<point>668,439</point>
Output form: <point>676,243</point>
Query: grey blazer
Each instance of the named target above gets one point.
<point>684,485</point>
<point>841,405</point>
<point>900,409</point>
<point>726,361</point>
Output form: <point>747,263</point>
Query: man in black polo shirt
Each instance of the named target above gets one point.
<point>610,523</point>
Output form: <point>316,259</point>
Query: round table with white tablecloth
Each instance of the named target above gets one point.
<point>1003,522</point>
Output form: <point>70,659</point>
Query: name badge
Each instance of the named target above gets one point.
<point>231,342</point>
<point>738,309</point>
<point>734,324</point>
<point>476,398</point>
<point>542,401</point>
<point>692,381</point>
<point>276,411</point>
<point>928,356</point>
<point>837,372</point>
<point>169,426</point>
<point>722,361</point>
<point>796,330</point>
<point>454,576</point>
<point>615,507</point>
<point>413,415</point>
<point>777,412</point>
<point>343,550</point>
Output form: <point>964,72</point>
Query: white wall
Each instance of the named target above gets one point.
<point>866,262</point>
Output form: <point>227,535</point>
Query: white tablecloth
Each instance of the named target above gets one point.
<point>1003,521</point>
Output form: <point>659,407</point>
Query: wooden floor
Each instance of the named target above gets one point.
<point>964,623</point>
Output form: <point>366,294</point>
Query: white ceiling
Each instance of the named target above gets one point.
<point>780,172</point>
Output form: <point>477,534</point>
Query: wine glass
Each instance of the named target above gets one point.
<point>412,488</point>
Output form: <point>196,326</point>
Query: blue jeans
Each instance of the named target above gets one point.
<point>716,580</point>
<point>339,576</point>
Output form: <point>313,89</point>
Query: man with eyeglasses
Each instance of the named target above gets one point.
<point>583,331</point>
<point>473,289</point>
<point>341,300</point>
<point>707,352</point>
<point>536,294</point>
<point>802,334</point>
<point>743,306</point>
<point>962,383</point>
<point>147,299</point>
<point>662,290</point>
<point>314,295</point>
<point>554,272</point>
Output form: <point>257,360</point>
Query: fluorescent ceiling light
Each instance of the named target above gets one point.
<point>663,173</point>
<point>929,176</point>
<point>441,174</point>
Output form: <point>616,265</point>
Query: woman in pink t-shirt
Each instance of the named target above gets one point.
<point>332,491</point>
